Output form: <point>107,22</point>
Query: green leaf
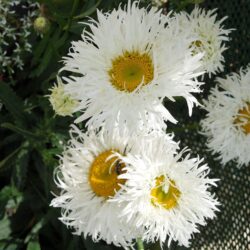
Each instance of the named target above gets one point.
<point>33,245</point>
<point>88,12</point>
<point>12,102</point>
<point>8,160</point>
<point>9,245</point>
<point>5,229</point>
<point>10,199</point>
<point>41,47</point>
<point>21,131</point>
<point>20,168</point>
<point>34,232</point>
<point>43,63</point>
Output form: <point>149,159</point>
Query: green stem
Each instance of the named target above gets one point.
<point>88,12</point>
<point>73,10</point>
<point>20,131</point>
<point>140,245</point>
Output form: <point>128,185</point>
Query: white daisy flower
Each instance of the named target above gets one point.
<point>227,124</point>
<point>88,179</point>
<point>208,34</point>
<point>166,195</point>
<point>62,103</point>
<point>128,62</point>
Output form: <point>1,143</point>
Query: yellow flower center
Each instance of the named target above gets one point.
<point>197,46</point>
<point>197,43</point>
<point>130,70</point>
<point>104,172</point>
<point>243,119</point>
<point>165,193</point>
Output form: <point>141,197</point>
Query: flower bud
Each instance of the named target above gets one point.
<point>42,24</point>
<point>62,103</point>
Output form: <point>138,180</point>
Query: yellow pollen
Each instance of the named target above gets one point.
<point>196,46</point>
<point>130,70</point>
<point>197,43</point>
<point>104,172</point>
<point>162,196</point>
<point>243,119</point>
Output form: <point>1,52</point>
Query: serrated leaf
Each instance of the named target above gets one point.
<point>20,168</point>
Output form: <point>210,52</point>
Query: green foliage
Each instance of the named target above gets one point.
<point>178,5</point>
<point>31,136</point>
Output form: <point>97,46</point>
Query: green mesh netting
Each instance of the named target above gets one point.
<point>231,229</point>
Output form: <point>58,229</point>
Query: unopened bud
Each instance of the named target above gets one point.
<point>42,24</point>
<point>62,103</point>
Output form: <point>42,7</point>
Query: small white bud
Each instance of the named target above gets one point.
<point>63,104</point>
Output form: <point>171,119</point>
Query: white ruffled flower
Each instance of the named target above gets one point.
<point>129,62</point>
<point>88,179</point>
<point>227,124</point>
<point>166,195</point>
<point>208,34</point>
<point>62,103</point>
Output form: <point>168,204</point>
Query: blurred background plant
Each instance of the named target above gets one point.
<point>16,19</point>
<point>34,36</point>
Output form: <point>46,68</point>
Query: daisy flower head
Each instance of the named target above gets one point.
<point>209,36</point>
<point>88,179</point>
<point>62,103</point>
<point>227,124</point>
<point>166,195</point>
<point>128,62</point>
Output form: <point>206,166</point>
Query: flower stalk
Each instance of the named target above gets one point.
<point>140,245</point>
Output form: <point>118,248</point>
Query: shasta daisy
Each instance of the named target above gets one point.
<point>127,63</point>
<point>165,193</point>
<point>208,34</point>
<point>227,124</point>
<point>88,177</point>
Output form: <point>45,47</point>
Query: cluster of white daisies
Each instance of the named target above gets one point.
<point>126,178</point>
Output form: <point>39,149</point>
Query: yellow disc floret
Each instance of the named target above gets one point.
<point>197,47</point>
<point>165,193</point>
<point>104,172</point>
<point>243,119</point>
<point>130,70</point>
